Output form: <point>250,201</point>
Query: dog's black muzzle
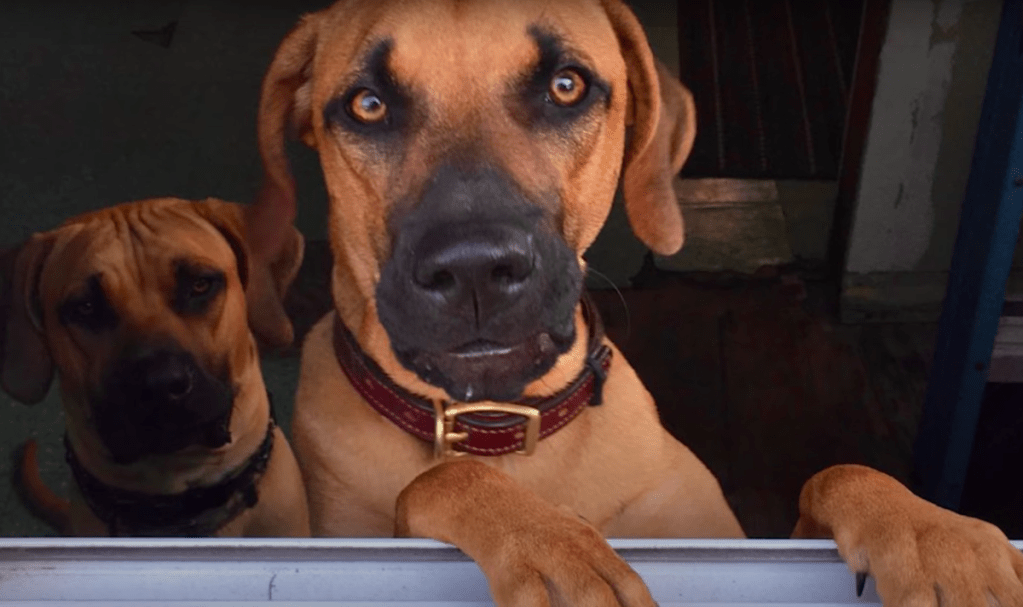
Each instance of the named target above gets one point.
<point>158,401</point>
<point>479,294</point>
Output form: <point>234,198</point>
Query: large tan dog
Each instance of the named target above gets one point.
<point>144,310</point>
<point>471,151</point>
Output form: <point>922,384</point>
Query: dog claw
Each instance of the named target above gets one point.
<point>861,581</point>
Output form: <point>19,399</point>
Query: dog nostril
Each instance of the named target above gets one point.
<point>179,387</point>
<point>441,280</point>
<point>502,274</point>
<point>512,269</point>
<point>506,274</point>
<point>162,377</point>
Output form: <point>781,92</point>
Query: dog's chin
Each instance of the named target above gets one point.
<point>487,371</point>
<point>131,444</point>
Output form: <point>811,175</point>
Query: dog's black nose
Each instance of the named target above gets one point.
<point>157,376</point>
<point>479,266</point>
<point>161,376</point>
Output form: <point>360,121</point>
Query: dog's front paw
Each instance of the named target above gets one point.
<point>918,553</point>
<point>564,561</point>
<point>532,552</point>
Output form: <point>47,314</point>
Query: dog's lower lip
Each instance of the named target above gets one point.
<point>481,348</point>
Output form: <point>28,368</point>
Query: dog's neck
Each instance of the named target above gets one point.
<point>198,511</point>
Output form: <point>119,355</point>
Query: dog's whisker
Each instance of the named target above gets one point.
<point>621,298</point>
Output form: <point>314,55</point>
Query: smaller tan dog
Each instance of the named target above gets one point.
<point>145,310</point>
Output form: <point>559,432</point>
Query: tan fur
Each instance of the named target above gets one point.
<point>908,544</point>
<point>134,248</point>
<point>614,465</point>
<point>44,503</point>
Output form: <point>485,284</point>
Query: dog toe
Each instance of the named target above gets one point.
<point>1017,563</point>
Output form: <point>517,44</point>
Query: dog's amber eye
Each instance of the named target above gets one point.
<point>85,308</point>
<point>567,88</point>
<point>367,107</point>
<point>197,288</point>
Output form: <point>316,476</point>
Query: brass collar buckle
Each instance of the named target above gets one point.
<point>445,437</point>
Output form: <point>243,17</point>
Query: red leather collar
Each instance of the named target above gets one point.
<point>480,432</point>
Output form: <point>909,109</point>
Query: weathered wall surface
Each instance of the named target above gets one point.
<point>933,73</point>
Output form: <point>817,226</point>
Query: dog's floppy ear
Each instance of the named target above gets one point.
<point>27,368</point>
<point>663,129</point>
<point>265,279</point>
<point>285,107</point>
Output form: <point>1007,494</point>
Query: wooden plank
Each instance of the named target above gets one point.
<point>845,19</point>
<point>743,118</point>
<point>698,70</point>
<point>760,110</point>
<point>713,191</point>
<point>781,97</point>
<point>740,238</point>
<point>825,90</point>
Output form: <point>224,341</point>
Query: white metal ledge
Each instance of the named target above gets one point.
<point>230,572</point>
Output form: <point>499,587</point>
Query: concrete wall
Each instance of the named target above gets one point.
<point>933,74</point>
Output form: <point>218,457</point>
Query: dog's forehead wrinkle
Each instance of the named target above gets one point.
<point>375,60</point>
<point>551,45</point>
<point>79,255</point>
<point>133,256</point>
<point>478,52</point>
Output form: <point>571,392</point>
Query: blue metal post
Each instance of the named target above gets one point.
<point>988,228</point>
